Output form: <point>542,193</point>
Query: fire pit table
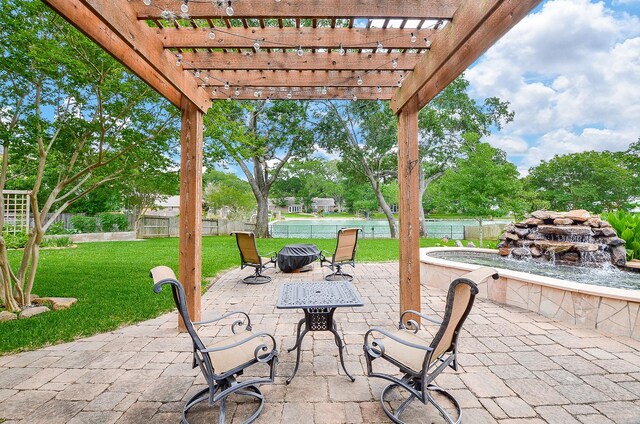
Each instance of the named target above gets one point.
<point>293,257</point>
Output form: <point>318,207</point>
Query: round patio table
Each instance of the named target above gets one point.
<point>295,256</point>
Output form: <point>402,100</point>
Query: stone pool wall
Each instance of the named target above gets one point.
<point>611,310</point>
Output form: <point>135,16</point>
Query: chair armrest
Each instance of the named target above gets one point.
<point>262,347</point>
<point>414,324</point>
<point>228,314</point>
<point>376,348</point>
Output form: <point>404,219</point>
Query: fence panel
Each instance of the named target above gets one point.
<point>155,226</point>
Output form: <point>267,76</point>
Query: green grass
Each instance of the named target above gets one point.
<point>111,282</point>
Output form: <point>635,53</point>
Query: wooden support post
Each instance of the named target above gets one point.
<point>408,169</point>
<point>191,208</point>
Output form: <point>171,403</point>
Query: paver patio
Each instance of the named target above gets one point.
<point>516,366</point>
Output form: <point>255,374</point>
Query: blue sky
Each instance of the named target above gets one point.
<point>571,72</point>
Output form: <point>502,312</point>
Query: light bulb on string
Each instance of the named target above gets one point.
<point>289,94</point>
<point>413,38</point>
<point>394,63</point>
<point>214,92</point>
<point>229,98</point>
<point>399,83</point>
<point>379,89</point>
<point>146,2</point>
<point>196,73</point>
<point>268,100</point>
<point>230,10</point>
<point>299,52</point>
<point>237,92</point>
<point>256,45</point>
<point>184,7</point>
<point>342,51</point>
<point>354,98</point>
<point>427,42</point>
<point>178,59</point>
<point>359,80</point>
<point>324,90</point>
<point>206,78</point>
<point>379,46</point>
<point>226,85</point>
<point>212,34</point>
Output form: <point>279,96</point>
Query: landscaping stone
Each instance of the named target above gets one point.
<point>563,221</point>
<point>30,312</point>
<point>58,303</point>
<point>7,316</point>
<point>578,215</point>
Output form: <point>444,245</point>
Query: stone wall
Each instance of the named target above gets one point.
<point>574,237</point>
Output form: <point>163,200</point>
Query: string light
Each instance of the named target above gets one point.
<point>226,85</point>
<point>256,45</point>
<point>214,92</point>
<point>379,46</point>
<point>413,38</point>
<point>394,63</point>
<point>427,42</point>
<point>354,98</point>
<point>299,52</point>
<point>324,90</point>
<point>379,89</point>
<point>146,2</point>
<point>178,59</point>
<point>184,7</point>
<point>230,10</point>
<point>359,80</point>
<point>212,34</point>
<point>196,73</point>
<point>289,93</point>
<point>342,51</point>
<point>237,92</point>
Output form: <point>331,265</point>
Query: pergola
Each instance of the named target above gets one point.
<point>194,52</point>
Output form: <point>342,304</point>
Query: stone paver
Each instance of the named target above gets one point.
<point>516,367</point>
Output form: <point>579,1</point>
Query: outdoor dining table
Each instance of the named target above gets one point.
<point>294,257</point>
<point>319,301</point>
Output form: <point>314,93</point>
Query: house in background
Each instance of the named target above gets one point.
<point>168,207</point>
<point>324,204</point>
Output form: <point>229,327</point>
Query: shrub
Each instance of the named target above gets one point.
<point>57,228</point>
<point>627,225</point>
<point>113,222</point>
<point>15,240</point>
<point>56,242</point>
<point>84,224</point>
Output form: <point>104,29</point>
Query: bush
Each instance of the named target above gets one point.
<point>15,240</point>
<point>113,222</point>
<point>627,225</point>
<point>57,228</point>
<point>56,242</point>
<point>84,224</point>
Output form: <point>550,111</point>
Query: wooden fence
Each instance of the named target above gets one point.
<point>168,226</point>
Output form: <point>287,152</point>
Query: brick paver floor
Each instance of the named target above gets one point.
<point>516,366</point>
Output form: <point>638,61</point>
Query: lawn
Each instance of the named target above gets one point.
<point>111,282</point>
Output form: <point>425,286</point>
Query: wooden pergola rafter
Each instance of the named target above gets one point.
<point>194,52</point>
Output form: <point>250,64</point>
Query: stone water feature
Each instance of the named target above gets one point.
<point>575,237</point>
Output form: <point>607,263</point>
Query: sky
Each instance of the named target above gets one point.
<point>571,73</point>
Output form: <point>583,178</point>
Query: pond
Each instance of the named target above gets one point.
<point>328,228</point>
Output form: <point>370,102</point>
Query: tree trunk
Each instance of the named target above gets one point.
<point>262,217</point>
<point>386,209</point>
<point>480,230</point>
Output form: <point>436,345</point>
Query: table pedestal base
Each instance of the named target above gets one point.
<point>317,319</point>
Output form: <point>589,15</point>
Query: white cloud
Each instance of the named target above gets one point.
<point>572,75</point>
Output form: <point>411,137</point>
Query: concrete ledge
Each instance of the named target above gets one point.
<point>612,310</point>
<point>94,237</point>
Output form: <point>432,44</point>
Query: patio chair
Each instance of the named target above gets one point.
<point>226,359</point>
<point>345,254</point>
<point>419,360</point>
<point>249,257</point>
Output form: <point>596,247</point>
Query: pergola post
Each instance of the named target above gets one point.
<point>408,182</point>
<point>190,261</point>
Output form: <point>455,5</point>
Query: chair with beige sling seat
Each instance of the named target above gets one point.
<point>420,361</point>
<point>249,257</point>
<point>227,358</point>
<point>345,254</point>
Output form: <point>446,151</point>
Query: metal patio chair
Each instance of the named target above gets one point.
<point>227,358</point>
<point>345,254</point>
<point>419,360</point>
<point>249,257</point>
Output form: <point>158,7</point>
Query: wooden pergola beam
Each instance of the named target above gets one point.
<point>320,61</point>
<point>113,25</point>
<point>302,78</point>
<point>476,26</point>
<point>291,37</point>
<point>333,93</point>
<point>306,9</point>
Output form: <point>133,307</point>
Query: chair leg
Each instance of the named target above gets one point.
<point>256,278</point>
<point>395,416</point>
<point>339,275</point>
<point>203,395</point>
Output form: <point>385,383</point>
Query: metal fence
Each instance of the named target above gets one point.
<point>368,231</point>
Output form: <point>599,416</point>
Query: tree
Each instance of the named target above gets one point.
<point>226,190</point>
<point>480,184</point>
<point>146,189</point>
<point>73,120</point>
<point>260,137</point>
<point>365,134</point>
<point>444,128</point>
<point>596,181</point>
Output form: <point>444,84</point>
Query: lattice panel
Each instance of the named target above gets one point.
<point>16,211</point>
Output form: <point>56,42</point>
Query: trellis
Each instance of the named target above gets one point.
<point>194,52</point>
<point>16,211</point>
